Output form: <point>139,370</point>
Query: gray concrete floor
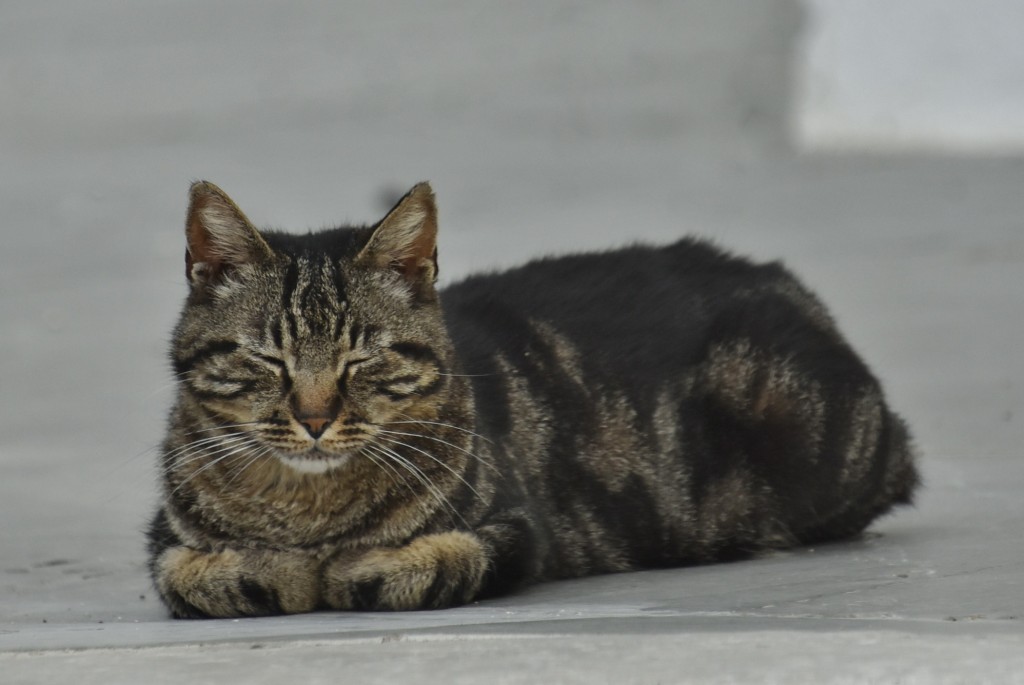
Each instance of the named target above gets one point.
<point>922,260</point>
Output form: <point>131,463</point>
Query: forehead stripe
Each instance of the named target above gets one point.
<point>291,280</point>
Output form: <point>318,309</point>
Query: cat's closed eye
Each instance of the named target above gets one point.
<point>348,368</point>
<point>275,363</point>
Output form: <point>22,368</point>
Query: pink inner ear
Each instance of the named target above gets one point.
<point>198,239</point>
<point>199,247</point>
<point>420,264</point>
<point>410,268</point>
<point>406,239</point>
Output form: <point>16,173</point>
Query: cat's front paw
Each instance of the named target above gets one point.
<point>234,583</point>
<point>431,572</point>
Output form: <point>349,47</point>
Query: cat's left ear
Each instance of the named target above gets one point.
<point>405,241</point>
<point>220,237</point>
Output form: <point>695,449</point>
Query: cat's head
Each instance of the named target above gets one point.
<point>306,347</point>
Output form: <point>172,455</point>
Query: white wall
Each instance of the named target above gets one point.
<point>943,75</point>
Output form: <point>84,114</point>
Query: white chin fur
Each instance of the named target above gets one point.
<point>315,465</point>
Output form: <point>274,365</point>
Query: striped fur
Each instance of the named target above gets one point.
<point>347,437</point>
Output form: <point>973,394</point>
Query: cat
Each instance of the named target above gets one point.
<point>346,436</point>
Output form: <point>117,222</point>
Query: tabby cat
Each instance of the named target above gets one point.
<point>345,436</point>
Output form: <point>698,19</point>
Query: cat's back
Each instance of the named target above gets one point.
<point>638,310</point>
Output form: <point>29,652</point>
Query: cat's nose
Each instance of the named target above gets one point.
<point>315,425</point>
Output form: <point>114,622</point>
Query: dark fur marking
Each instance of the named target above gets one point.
<point>273,361</point>
<point>515,544</point>
<point>387,388</point>
<point>365,595</point>
<point>214,347</point>
<point>276,334</point>
<point>415,352</point>
<point>291,280</point>
<point>264,600</point>
<point>245,387</point>
<point>441,590</point>
<point>160,537</point>
<point>180,608</point>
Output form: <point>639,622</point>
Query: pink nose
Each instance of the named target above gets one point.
<point>315,425</point>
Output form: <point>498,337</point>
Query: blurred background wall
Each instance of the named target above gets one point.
<point>544,127</point>
<point>935,75</point>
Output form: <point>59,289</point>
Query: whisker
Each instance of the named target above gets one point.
<point>390,456</point>
<point>226,425</point>
<point>183,455</point>
<point>165,455</point>
<point>163,387</point>
<point>439,462</point>
<point>439,423</point>
<point>252,460</point>
<point>392,473</point>
<point>230,451</point>
<point>420,476</point>
<point>173,454</point>
<point>480,460</point>
<point>122,463</point>
<point>201,456</point>
<point>204,441</point>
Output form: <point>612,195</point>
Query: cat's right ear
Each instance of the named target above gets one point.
<point>219,236</point>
